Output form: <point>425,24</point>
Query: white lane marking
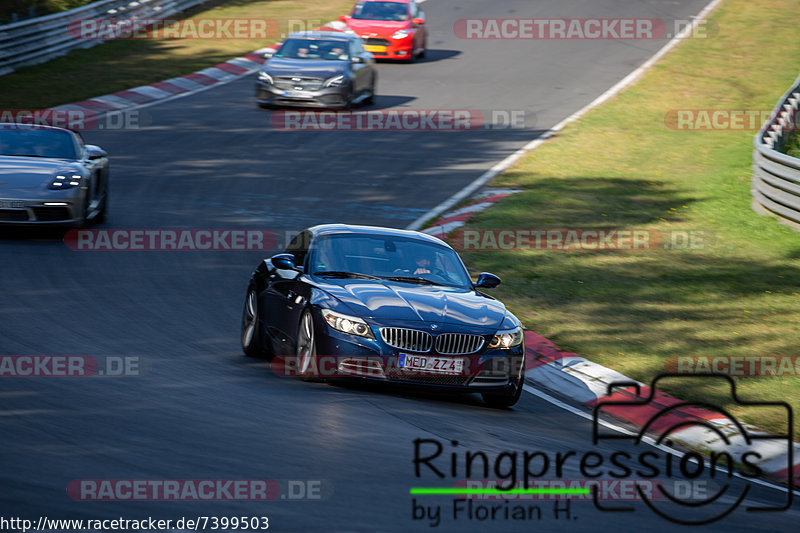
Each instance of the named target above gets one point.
<point>503,165</point>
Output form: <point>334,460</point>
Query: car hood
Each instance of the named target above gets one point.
<point>383,28</point>
<point>390,301</point>
<point>31,172</point>
<point>324,69</point>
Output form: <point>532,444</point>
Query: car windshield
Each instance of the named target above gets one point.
<point>35,142</point>
<point>401,259</point>
<point>381,11</point>
<point>316,49</point>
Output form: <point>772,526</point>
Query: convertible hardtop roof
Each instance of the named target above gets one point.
<point>334,229</point>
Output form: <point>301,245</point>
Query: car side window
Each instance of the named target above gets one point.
<point>299,247</point>
<point>355,48</point>
<point>414,9</point>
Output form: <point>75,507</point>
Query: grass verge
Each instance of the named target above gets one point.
<point>122,64</point>
<point>622,167</point>
<point>793,145</point>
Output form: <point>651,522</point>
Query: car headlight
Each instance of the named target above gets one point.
<point>336,81</point>
<point>507,338</point>
<point>65,181</point>
<point>401,34</point>
<point>266,78</point>
<point>347,324</point>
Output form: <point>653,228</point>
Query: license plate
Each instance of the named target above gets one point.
<point>431,364</point>
<point>374,48</point>
<point>296,94</point>
<point>12,204</point>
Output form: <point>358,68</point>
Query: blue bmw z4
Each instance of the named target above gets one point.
<point>384,305</point>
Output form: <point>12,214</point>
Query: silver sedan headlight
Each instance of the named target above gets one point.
<point>336,81</point>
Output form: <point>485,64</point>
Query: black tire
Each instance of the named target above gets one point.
<point>251,337</point>
<point>502,401</point>
<point>100,217</point>
<point>371,98</point>
<point>84,220</point>
<point>306,348</point>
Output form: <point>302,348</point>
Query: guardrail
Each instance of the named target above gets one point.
<point>776,176</point>
<point>42,38</point>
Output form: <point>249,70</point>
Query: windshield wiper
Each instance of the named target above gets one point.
<point>342,274</point>
<point>411,279</point>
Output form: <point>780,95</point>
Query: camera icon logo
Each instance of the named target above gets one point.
<point>678,443</point>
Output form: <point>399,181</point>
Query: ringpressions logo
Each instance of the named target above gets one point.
<point>678,484</point>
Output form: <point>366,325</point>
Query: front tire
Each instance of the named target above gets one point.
<point>371,98</point>
<point>502,401</point>
<point>252,341</point>
<point>307,348</point>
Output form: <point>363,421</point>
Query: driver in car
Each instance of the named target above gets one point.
<point>423,265</point>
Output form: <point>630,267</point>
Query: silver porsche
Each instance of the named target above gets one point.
<point>49,176</point>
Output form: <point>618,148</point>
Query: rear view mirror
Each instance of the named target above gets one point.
<point>269,53</point>
<point>284,262</point>
<point>95,152</point>
<point>357,59</point>
<point>418,21</point>
<point>487,280</point>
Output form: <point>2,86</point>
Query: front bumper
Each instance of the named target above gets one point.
<point>40,212</point>
<point>388,48</point>
<point>328,97</point>
<point>342,356</point>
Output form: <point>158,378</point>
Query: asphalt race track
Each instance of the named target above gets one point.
<point>200,409</point>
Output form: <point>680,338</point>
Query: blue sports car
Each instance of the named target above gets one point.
<point>385,305</point>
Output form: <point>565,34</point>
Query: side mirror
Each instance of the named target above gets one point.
<point>487,280</point>
<point>418,21</point>
<point>269,53</point>
<point>357,59</point>
<point>95,152</point>
<point>284,262</point>
<point>343,18</point>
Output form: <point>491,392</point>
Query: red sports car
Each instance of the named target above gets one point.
<point>390,29</point>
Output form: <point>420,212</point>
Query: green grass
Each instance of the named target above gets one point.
<point>621,167</point>
<point>122,64</point>
<point>792,147</point>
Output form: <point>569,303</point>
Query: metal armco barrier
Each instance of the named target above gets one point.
<point>42,38</point>
<point>776,176</point>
